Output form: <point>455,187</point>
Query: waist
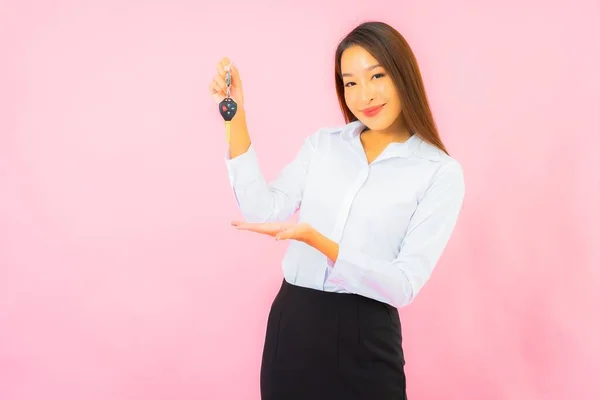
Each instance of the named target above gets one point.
<point>297,300</point>
<point>306,267</point>
<point>309,295</point>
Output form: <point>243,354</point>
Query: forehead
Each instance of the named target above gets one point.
<point>356,59</point>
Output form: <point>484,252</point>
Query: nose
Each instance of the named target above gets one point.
<point>366,93</point>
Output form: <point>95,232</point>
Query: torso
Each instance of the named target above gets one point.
<point>361,193</point>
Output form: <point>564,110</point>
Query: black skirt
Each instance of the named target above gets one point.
<point>323,345</point>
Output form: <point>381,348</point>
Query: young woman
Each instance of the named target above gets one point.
<point>378,199</point>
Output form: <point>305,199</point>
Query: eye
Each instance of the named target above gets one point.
<point>380,75</point>
<point>348,84</point>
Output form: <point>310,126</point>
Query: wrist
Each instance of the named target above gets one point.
<point>311,236</point>
<point>240,117</point>
<point>322,243</point>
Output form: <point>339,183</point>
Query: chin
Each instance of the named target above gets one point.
<point>376,124</point>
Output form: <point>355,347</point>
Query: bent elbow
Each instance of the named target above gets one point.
<point>403,299</point>
<point>260,215</point>
<point>262,207</point>
<point>255,216</point>
<point>405,293</point>
<point>256,219</point>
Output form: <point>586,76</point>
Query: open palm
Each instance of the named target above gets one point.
<point>279,230</point>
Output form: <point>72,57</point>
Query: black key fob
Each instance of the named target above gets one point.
<point>227,108</point>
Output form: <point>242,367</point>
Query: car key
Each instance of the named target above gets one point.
<point>228,107</point>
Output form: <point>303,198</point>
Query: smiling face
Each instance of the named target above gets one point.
<point>369,91</point>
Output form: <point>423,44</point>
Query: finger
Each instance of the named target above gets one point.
<point>215,84</point>
<point>286,231</point>
<point>236,81</point>
<point>256,230</point>
<point>214,89</point>
<point>217,94</point>
<point>221,65</point>
<point>239,223</point>
<point>284,235</point>
<point>264,228</point>
<point>221,71</point>
<point>249,227</point>
<point>219,82</point>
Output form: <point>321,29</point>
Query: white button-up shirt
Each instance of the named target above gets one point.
<point>392,218</point>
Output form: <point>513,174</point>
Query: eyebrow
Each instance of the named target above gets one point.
<point>367,69</point>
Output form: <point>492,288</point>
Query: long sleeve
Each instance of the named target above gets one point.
<point>262,201</point>
<point>398,281</point>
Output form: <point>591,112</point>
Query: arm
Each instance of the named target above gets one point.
<point>239,140</point>
<point>398,281</point>
<point>258,200</point>
<point>322,243</point>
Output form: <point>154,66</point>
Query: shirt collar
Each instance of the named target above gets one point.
<point>414,146</point>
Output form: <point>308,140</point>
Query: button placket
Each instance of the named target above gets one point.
<point>344,211</point>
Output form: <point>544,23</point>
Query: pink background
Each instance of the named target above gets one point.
<point>120,277</point>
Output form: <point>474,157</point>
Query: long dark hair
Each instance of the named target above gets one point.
<point>392,51</point>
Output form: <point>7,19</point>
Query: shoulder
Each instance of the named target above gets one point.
<point>448,170</point>
<point>450,173</point>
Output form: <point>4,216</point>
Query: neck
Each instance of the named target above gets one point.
<point>397,132</point>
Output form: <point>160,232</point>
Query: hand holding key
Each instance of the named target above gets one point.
<point>218,85</point>
<point>226,89</point>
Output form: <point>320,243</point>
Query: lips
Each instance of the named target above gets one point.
<point>372,111</point>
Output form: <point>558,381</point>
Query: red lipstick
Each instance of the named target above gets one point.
<point>372,111</point>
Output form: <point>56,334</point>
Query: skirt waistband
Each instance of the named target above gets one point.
<point>308,297</point>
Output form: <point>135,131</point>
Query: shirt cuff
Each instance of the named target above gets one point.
<point>244,168</point>
<point>345,271</point>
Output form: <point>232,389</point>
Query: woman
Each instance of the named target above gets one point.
<point>378,199</point>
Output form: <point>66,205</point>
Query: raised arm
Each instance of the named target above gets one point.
<point>258,200</point>
<point>262,201</point>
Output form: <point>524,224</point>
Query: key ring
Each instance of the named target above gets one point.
<point>228,107</point>
<point>228,80</point>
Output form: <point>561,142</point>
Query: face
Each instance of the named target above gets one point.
<point>369,91</point>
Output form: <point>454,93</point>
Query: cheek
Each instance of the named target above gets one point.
<point>395,105</point>
<point>351,100</point>
<point>392,98</point>
<point>387,89</point>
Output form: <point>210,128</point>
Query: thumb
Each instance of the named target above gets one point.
<point>282,236</point>
<point>286,233</point>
